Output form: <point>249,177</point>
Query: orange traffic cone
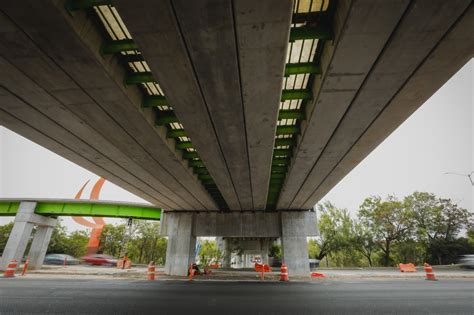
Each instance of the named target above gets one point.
<point>10,272</point>
<point>25,266</point>
<point>284,273</point>
<point>151,271</point>
<point>429,272</point>
<point>191,272</point>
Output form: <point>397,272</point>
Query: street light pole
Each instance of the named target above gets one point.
<point>470,176</point>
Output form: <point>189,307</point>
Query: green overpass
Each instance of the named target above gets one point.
<point>90,208</point>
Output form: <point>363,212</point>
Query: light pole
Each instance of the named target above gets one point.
<point>470,176</point>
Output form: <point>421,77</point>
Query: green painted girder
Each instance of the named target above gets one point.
<point>281,152</point>
<point>196,163</point>
<point>277,175</point>
<point>287,130</point>
<point>165,117</point>
<point>154,100</point>
<point>276,181</point>
<point>184,145</point>
<point>190,155</point>
<point>322,31</point>
<point>200,171</point>
<point>283,142</point>
<point>176,133</point>
<point>116,46</point>
<point>280,161</point>
<point>76,5</point>
<point>279,169</point>
<point>133,58</point>
<point>291,114</point>
<point>84,208</point>
<point>205,177</point>
<point>302,94</point>
<point>208,182</point>
<point>300,68</point>
<point>139,77</point>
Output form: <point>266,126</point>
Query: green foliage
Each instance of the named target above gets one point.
<point>112,240</point>
<point>275,251</point>
<point>210,254</point>
<point>4,234</point>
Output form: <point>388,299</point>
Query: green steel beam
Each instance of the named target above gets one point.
<point>291,114</point>
<point>322,31</point>
<point>304,94</point>
<point>200,171</point>
<point>208,182</point>
<point>154,100</point>
<point>115,46</point>
<point>283,142</point>
<point>165,117</point>
<point>205,177</point>
<point>139,77</point>
<point>280,152</point>
<point>184,145</point>
<point>76,5</point>
<point>133,58</point>
<point>190,155</point>
<point>287,130</point>
<point>279,169</point>
<point>299,68</point>
<point>276,181</point>
<point>277,176</point>
<point>196,163</point>
<point>176,133</point>
<point>81,208</point>
<point>280,161</point>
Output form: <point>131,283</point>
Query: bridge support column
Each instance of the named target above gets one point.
<point>25,221</point>
<point>180,252</point>
<point>294,242</point>
<point>224,247</point>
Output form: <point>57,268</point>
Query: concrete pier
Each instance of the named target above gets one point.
<point>180,252</point>
<point>25,222</point>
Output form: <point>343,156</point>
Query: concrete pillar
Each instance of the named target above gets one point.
<point>294,243</point>
<point>25,220</point>
<point>180,252</point>
<point>39,246</point>
<point>16,244</point>
<point>224,247</point>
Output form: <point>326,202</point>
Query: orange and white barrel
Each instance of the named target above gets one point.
<point>10,272</point>
<point>151,271</point>
<point>284,273</point>
<point>429,272</point>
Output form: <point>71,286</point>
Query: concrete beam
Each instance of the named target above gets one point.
<point>92,89</point>
<point>262,31</point>
<point>155,28</point>
<point>454,50</point>
<point>241,224</point>
<point>361,31</point>
<point>418,33</point>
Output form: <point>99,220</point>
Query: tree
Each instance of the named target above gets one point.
<point>389,220</point>
<point>112,239</point>
<point>364,241</point>
<point>335,227</point>
<point>438,223</point>
<point>76,245</point>
<point>210,254</point>
<point>4,234</point>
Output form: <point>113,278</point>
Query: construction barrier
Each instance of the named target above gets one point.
<point>191,272</point>
<point>317,275</point>
<point>215,266</point>
<point>407,267</point>
<point>10,272</point>
<point>260,267</point>
<point>151,271</point>
<point>284,273</point>
<point>25,266</point>
<point>429,272</point>
<point>124,264</point>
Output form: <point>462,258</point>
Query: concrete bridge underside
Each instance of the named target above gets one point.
<point>224,105</point>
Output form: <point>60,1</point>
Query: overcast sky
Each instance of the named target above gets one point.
<point>436,139</point>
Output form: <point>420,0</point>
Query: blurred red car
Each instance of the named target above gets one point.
<point>100,260</point>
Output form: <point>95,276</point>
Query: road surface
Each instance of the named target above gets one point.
<point>23,295</point>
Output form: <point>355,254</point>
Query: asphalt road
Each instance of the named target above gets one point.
<point>22,295</point>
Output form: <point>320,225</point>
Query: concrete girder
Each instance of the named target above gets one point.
<point>91,87</point>
<point>359,38</point>
<point>262,30</point>
<point>155,28</point>
<point>419,31</point>
<point>451,54</point>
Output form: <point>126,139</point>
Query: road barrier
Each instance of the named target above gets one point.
<point>151,271</point>
<point>25,266</point>
<point>10,272</point>
<point>284,273</point>
<point>407,267</point>
<point>429,272</point>
<point>262,269</point>
<point>191,272</point>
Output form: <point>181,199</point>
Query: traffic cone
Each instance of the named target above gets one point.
<point>10,272</point>
<point>25,266</point>
<point>191,272</point>
<point>284,273</point>
<point>151,271</point>
<point>429,272</point>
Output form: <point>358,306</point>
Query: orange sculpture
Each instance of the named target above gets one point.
<point>98,226</point>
